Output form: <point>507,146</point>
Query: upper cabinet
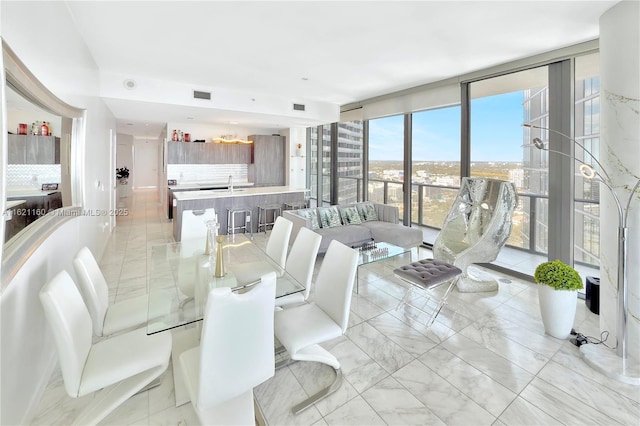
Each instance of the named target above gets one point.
<point>208,153</point>
<point>268,159</point>
<point>31,149</point>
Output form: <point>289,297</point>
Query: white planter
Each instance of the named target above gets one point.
<point>558,310</point>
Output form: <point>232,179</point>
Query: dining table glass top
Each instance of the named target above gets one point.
<point>181,276</point>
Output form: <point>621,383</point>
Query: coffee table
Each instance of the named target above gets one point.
<point>376,252</point>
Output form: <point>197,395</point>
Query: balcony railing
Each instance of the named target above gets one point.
<point>431,204</point>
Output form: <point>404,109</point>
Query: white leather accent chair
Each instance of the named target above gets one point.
<point>121,366</point>
<point>236,353</point>
<point>476,228</point>
<point>302,328</point>
<point>107,319</point>
<point>276,249</point>
<point>300,264</point>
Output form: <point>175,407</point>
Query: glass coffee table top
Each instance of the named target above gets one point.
<point>377,252</point>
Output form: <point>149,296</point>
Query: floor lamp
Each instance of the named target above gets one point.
<point>616,365</point>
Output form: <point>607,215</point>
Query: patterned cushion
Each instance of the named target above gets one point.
<point>329,216</point>
<point>367,212</point>
<point>350,215</point>
<point>310,214</point>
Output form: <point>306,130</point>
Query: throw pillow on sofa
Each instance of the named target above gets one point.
<point>310,214</point>
<point>329,216</point>
<point>367,212</point>
<point>350,215</point>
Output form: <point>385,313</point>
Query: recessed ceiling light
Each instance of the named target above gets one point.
<point>129,124</point>
<point>233,122</point>
<point>305,78</point>
<point>129,84</point>
<point>189,118</point>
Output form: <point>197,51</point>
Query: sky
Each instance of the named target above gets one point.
<point>496,132</point>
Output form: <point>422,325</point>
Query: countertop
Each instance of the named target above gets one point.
<point>25,193</point>
<point>198,185</point>
<point>13,203</point>
<point>242,192</point>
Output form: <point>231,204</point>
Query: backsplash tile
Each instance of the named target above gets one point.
<point>32,174</point>
<point>189,173</point>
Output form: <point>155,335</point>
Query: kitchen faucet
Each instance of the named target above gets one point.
<point>231,184</point>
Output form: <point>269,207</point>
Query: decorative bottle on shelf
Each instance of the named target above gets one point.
<point>174,136</point>
<point>34,128</point>
<point>44,130</point>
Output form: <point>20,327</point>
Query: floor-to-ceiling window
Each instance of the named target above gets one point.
<point>312,167</point>
<point>350,165</point>
<point>326,165</point>
<point>501,147</point>
<point>587,134</point>
<point>386,161</point>
<point>435,175</point>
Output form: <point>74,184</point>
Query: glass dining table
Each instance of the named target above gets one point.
<point>181,276</point>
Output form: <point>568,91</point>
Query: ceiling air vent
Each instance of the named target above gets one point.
<point>201,95</point>
<point>298,107</point>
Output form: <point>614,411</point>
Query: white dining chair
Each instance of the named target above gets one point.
<point>276,249</point>
<point>118,367</point>
<point>109,319</point>
<point>194,224</point>
<point>302,328</point>
<point>220,382</point>
<point>300,264</point>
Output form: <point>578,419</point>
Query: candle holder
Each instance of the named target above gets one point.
<point>219,272</point>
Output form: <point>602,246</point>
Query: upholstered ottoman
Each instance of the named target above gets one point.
<point>426,275</point>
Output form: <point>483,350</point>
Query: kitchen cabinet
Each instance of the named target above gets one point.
<point>32,149</point>
<point>208,153</point>
<point>38,205</point>
<point>268,160</point>
<point>15,218</point>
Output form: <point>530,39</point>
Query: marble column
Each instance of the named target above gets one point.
<point>620,155</point>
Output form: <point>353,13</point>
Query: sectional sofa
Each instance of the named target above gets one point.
<point>355,224</point>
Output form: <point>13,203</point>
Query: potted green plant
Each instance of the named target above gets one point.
<point>122,174</point>
<point>558,296</point>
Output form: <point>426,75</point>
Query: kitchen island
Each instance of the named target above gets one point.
<point>198,186</point>
<point>223,199</point>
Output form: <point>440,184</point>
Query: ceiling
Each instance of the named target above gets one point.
<point>330,53</point>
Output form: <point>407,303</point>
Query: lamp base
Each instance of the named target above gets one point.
<point>607,362</point>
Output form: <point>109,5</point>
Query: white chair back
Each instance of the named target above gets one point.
<point>302,258</point>
<point>335,282</point>
<point>194,224</point>
<point>279,240</point>
<point>93,287</point>
<point>71,325</point>
<point>242,324</point>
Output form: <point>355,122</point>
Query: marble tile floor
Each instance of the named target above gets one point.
<point>485,361</point>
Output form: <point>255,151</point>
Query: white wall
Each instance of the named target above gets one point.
<point>43,36</point>
<point>296,175</point>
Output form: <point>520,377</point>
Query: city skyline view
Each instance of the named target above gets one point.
<point>496,132</point>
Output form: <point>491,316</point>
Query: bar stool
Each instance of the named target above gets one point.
<point>263,215</point>
<point>246,224</point>
<point>295,205</point>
